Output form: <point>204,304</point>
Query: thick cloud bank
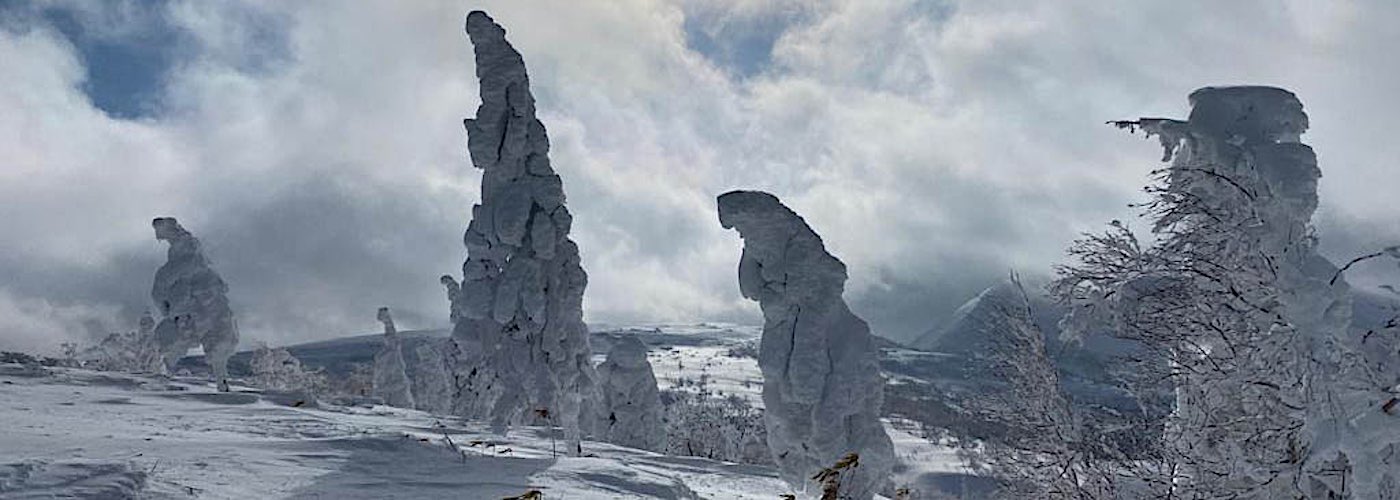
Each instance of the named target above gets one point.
<point>315,144</point>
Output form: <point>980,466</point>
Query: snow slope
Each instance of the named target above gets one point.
<point>80,429</point>
<point>82,434</point>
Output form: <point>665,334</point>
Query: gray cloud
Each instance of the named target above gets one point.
<point>317,148</point>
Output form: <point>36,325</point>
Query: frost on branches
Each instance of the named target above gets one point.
<point>1272,398</point>
<point>822,390</point>
<point>1041,451</point>
<point>193,303</point>
<point>390,374</point>
<point>523,353</point>
<point>630,413</point>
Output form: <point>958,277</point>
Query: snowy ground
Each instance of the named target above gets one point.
<point>82,434</point>
<point>106,435</point>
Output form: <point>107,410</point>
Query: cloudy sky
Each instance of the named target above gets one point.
<point>316,147</point>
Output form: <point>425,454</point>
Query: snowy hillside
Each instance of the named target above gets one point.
<point>82,434</point>
<point>95,433</point>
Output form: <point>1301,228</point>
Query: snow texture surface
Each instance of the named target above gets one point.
<point>80,434</point>
<point>822,389</point>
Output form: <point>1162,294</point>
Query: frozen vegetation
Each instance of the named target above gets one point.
<point>276,369</point>
<point>1275,394</point>
<point>1221,356</point>
<point>193,303</point>
<point>822,391</point>
<point>390,374</point>
<point>631,404</point>
<point>523,354</point>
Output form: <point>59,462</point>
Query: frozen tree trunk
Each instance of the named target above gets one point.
<point>631,409</point>
<point>193,303</point>
<point>821,383</point>
<point>390,375</point>
<point>523,354</point>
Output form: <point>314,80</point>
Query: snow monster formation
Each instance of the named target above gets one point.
<point>631,404</point>
<point>193,303</point>
<point>390,374</point>
<point>522,345</point>
<point>1243,143</point>
<point>821,382</point>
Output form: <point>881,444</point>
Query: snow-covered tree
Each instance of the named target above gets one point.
<point>822,390</point>
<point>193,303</point>
<point>430,375</point>
<point>630,413</point>
<point>522,352</point>
<point>1233,294</point>
<point>277,369</point>
<point>390,374</point>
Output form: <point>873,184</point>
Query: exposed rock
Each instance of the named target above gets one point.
<point>193,303</point>
<point>390,373</point>
<point>523,354</point>
<point>822,390</point>
<point>631,403</point>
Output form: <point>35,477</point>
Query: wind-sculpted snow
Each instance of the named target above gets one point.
<point>193,303</point>
<point>631,403</point>
<point>390,374</point>
<point>523,354</point>
<point>822,390</point>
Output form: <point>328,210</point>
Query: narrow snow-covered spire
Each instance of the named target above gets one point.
<point>390,373</point>
<point>519,309</point>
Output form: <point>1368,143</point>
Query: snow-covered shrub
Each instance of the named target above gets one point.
<point>134,352</point>
<point>390,373</point>
<point>278,370</point>
<point>729,429</point>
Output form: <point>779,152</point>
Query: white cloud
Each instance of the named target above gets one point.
<point>317,147</point>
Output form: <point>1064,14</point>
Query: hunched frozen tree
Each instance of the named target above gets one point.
<point>1271,399</point>
<point>193,303</point>
<point>631,412</point>
<point>523,353</point>
<point>822,390</point>
<point>390,373</point>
